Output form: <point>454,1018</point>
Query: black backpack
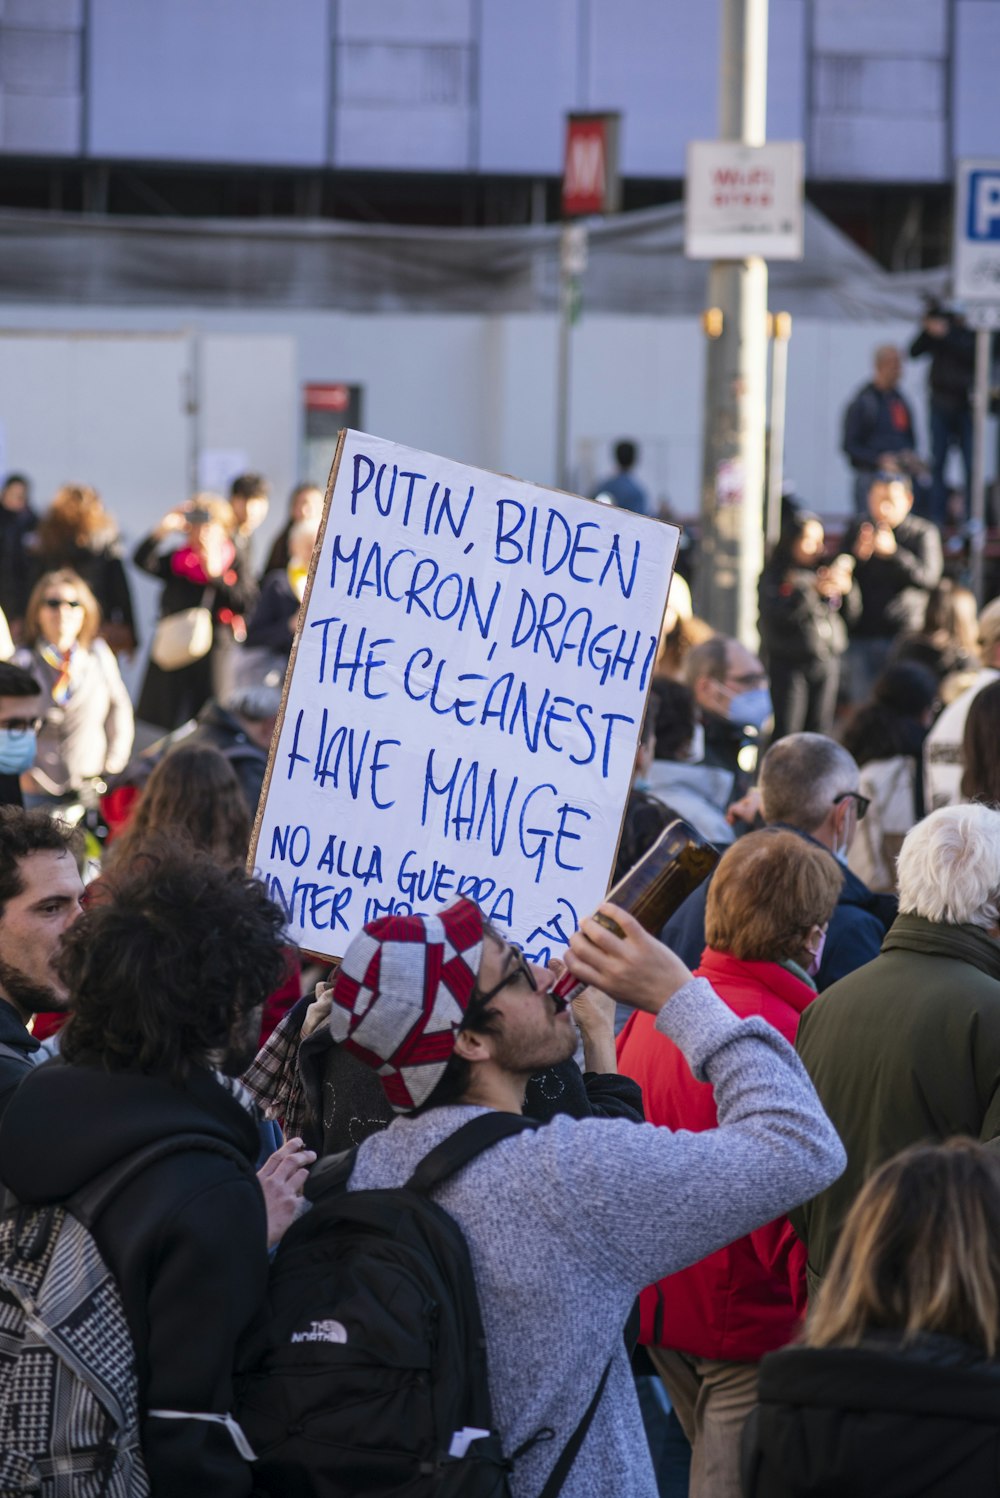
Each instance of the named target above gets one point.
<point>366,1370</point>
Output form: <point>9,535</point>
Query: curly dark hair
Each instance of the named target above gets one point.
<point>166,961</point>
<point>23,833</point>
<point>193,793</point>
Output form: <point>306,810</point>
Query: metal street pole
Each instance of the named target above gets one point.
<point>781,331</point>
<point>732,491</point>
<point>572,264</point>
<point>980,411</point>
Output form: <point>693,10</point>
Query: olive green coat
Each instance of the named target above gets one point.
<point>907,1048</point>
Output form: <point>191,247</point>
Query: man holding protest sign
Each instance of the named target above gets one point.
<point>564,1224</point>
<point>460,725</point>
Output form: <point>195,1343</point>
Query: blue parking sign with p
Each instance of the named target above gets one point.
<point>983,219</point>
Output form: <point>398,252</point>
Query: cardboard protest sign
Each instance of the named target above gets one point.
<point>464,700</point>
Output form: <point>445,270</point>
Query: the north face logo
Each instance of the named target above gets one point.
<point>322,1331</point>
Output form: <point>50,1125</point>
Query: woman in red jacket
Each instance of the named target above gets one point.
<point>707,1327</point>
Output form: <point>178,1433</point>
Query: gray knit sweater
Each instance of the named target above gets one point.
<point>566,1224</point>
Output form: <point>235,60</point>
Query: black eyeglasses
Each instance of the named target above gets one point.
<point>18,727</point>
<point>62,603</point>
<point>861,802</point>
<point>519,970</point>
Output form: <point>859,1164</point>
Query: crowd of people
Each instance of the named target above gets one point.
<point>726,1223</point>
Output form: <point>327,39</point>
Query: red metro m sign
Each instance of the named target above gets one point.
<point>590,171</point>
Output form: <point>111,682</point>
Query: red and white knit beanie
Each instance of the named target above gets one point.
<point>401,995</point>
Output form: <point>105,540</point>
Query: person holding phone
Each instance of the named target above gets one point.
<point>192,552</point>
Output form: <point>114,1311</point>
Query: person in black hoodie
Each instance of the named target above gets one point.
<point>895,1392</point>
<point>167,972</point>
<point>803,634</point>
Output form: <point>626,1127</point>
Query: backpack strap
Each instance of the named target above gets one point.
<point>479,1134</point>
<point>332,1173</point>
<point>568,1455</point>
<point>89,1202</point>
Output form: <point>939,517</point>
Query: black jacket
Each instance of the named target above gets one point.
<point>268,624</point>
<point>894,589</point>
<point>953,364</point>
<point>13,1038</point>
<point>15,560</point>
<point>169,698</point>
<point>797,625</point>
<point>876,422</point>
<point>186,1241</point>
<point>876,1421</point>
<point>902,1051</point>
<point>859,922</point>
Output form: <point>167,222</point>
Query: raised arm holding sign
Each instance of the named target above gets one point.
<point>464,700</point>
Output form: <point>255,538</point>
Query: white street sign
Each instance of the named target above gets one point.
<point>976,257</point>
<point>743,200</point>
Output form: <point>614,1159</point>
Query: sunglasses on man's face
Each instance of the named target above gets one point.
<point>861,802</point>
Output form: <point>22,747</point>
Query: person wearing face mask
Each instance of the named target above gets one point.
<point>707,1327</point>
<point>678,774</point>
<point>20,720</point>
<point>734,701</point>
<point>809,785</point>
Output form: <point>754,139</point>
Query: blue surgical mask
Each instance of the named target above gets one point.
<point>751,709</point>
<point>17,751</point>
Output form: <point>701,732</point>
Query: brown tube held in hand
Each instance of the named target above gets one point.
<point>654,888</point>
